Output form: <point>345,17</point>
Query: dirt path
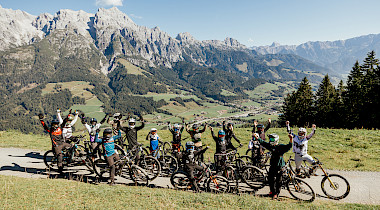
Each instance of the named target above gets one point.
<point>365,186</point>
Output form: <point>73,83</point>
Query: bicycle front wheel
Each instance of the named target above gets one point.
<point>180,180</point>
<point>335,186</point>
<point>253,177</point>
<point>151,165</point>
<point>218,184</point>
<point>50,160</point>
<point>101,168</point>
<point>300,190</point>
<point>167,148</point>
<point>139,175</point>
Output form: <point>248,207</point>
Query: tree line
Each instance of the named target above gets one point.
<point>351,105</point>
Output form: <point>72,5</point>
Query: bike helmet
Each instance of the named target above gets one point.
<point>153,130</point>
<point>261,126</point>
<point>117,115</point>
<point>93,120</point>
<point>107,133</point>
<point>70,117</point>
<point>132,122</point>
<point>195,126</point>
<point>273,139</point>
<point>55,123</point>
<point>302,132</point>
<point>189,146</point>
<point>221,135</point>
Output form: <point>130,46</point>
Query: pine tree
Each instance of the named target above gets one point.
<point>339,116</point>
<point>324,103</point>
<point>353,97</point>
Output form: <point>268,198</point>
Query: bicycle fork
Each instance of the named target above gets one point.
<point>328,177</point>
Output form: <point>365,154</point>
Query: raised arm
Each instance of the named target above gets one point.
<point>75,118</point>
<point>314,128</point>
<point>59,116</point>
<point>41,117</point>
<point>204,128</point>
<point>103,120</point>
<point>268,126</point>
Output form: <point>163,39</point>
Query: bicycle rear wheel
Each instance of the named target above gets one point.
<point>253,177</point>
<point>50,160</point>
<point>180,180</point>
<point>231,175</point>
<point>218,184</point>
<point>337,189</point>
<point>139,175</point>
<point>300,190</point>
<point>167,147</point>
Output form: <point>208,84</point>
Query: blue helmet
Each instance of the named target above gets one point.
<point>189,146</point>
<point>221,135</point>
<point>55,121</point>
<point>93,120</point>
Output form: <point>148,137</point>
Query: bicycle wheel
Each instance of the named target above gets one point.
<point>168,165</point>
<point>151,165</point>
<point>253,177</point>
<point>139,175</point>
<point>337,189</point>
<point>167,147</point>
<point>50,160</point>
<point>218,184</point>
<point>101,168</point>
<point>80,156</point>
<point>248,152</point>
<point>231,175</point>
<point>300,190</point>
<point>247,159</point>
<point>180,180</point>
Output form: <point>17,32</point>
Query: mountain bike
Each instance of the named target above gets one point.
<point>76,155</point>
<point>123,167</point>
<point>299,189</point>
<point>169,164</point>
<point>211,182</point>
<point>141,157</point>
<point>334,186</point>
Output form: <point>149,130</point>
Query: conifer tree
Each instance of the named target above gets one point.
<point>353,98</point>
<point>324,103</point>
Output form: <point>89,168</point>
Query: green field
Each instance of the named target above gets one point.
<point>23,193</point>
<point>336,148</point>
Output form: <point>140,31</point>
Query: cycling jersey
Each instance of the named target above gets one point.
<point>67,130</point>
<point>108,144</point>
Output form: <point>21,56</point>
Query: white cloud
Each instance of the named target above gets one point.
<point>250,40</point>
<point>109,2</point>
<point>136,16</point>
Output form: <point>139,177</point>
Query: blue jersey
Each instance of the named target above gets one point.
<point>108,145</point>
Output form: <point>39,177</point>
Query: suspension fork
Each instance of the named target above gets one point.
<point>328,177</point>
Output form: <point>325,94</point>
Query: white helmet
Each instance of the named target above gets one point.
<point>273,139</point>
<point>132,122</point>
<point>176,126</point>
<point>153,129</point>
<point>302,132</point>
<point>116,115</point>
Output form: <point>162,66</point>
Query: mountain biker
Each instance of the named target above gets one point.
<point>57,140</point>
<point>92,128</point>
<point>300,147</point>
<point>276,161</point>
<point>116,119</point>
<point>196,136</point>
<point>176,131</point>
<point>188,158</point>
<point>154,140</point>
<point>229,135</point>
<point>255,146</point>
<point>131,135</point>
<point>221,148</point>
<point>108,142</point>
<point>68,123</point>
<point>259,128</point>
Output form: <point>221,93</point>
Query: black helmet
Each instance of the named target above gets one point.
<point>55,121</point>
<point>260,126</point>
<point>93,120</point>
<point>107,133</point>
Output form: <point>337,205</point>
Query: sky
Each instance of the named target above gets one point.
<point>251,22</point>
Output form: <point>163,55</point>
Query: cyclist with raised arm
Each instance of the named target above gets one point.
<point>115,121</point>
<point>188,158</point>
<point>276,161</point>
<point>229,130</point>
<point>176,131</point>
<point>68,123</point>
<point>196,136</point>
<point>300,147</point>
<point>108,142</point>
<point>57,140</point>
<point>259,129</point>
<point>92,128</point>
<point>221,148</point>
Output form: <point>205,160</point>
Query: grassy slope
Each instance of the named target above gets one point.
<point>336,148</point>
<point>22,193</point>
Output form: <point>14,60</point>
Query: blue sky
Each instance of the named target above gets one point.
<point>251,22</point>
